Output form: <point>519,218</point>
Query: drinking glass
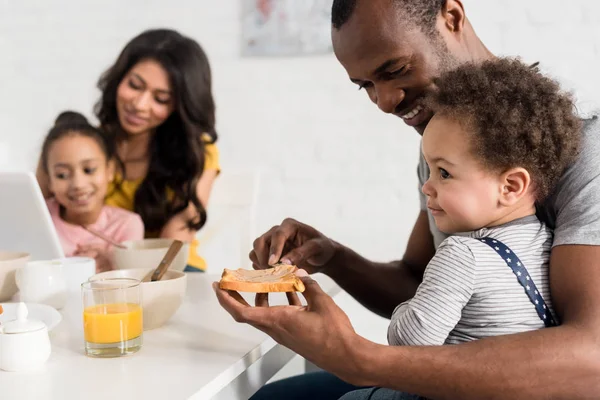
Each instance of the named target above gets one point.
<point>112,317</point>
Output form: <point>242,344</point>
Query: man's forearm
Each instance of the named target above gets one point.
<point>380,287</point>
<point>554,363</point>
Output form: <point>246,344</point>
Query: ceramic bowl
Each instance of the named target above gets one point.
<point>148,253</point>
<point>160,299</point>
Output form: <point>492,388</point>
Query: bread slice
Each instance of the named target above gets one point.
<point>280,278</point>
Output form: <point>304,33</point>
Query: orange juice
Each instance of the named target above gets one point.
<point>112,323</point>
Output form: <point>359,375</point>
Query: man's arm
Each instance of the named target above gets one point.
<point>551,363</point>
<point>380,287</point>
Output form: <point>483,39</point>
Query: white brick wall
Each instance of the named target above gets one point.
<point>298,118</point>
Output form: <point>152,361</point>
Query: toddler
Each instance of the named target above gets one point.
<point>501,137</point>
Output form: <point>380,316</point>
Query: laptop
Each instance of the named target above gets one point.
<point>25,222</point>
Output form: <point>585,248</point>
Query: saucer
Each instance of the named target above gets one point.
<point>48,315</point>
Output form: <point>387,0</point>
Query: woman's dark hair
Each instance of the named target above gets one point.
<point>70,123</point>
<point>520,117</point>
<point>177,147</point>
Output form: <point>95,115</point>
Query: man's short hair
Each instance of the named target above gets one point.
<point>423,13</point>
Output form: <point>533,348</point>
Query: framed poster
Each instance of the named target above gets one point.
<point>286,27</point>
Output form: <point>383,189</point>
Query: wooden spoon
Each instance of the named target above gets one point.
<point>165,263</point>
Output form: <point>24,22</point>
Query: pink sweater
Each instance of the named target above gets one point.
<point>116,223</point>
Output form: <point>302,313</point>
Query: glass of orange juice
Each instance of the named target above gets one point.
<point>112,317</point>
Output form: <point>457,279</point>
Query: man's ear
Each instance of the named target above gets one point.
<point>454,16</point>
<point>514,185</point>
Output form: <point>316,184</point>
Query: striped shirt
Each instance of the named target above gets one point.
<point>468,292</point>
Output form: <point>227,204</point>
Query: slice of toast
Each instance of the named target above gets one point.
<point>280,278</point>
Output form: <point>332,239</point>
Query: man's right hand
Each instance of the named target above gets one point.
<point>293,243</point>
<point>296,243</point>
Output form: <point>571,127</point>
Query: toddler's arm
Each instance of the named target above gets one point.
<point>436,308</point>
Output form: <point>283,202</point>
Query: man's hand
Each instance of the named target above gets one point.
<point>293,243</point>
<point>320,331</point>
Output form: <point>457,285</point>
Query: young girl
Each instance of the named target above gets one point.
<point>79,163</point>
<point>502,136</point>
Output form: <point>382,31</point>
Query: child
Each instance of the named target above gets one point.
<point>501,137</point>
<point>79,164</point>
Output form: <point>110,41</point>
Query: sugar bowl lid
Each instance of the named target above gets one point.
<point>22,324</point>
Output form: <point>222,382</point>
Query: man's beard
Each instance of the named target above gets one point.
<point>446,61</point>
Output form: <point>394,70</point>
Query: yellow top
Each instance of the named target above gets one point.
<point>125,196</point>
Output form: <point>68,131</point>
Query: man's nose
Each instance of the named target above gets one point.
<point>389,98</point>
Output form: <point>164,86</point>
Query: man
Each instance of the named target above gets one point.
<point>392,49</point>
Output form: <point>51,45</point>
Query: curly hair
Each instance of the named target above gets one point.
<point>519,117</point>
<point>421,12</point>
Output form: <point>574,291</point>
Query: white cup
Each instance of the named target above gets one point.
<point>77,270</point>
<point>42,282</point>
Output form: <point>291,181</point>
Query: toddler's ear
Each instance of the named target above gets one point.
<point>515,184</point>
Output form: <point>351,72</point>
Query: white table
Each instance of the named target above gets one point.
<point>200,354</point>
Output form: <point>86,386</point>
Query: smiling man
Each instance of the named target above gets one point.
<point>393,49</point>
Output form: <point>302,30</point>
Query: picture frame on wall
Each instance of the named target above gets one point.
<point>286,27</point>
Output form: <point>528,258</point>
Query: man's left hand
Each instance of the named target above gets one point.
<point>320,331</point>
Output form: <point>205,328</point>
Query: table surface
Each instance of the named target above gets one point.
<point>198,354</point>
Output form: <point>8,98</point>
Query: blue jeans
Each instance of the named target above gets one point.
<point>319,385</point>
<point>189,268</point>
<point>322,385</point>
<point>379,394</point>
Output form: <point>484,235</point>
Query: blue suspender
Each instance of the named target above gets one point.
<point>524,279</point>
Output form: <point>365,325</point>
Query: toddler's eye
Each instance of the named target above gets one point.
<point>444,174</point>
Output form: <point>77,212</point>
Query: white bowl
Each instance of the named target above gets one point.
<point>160,299</point>
<point>10,261</point>
<point>148,253</point>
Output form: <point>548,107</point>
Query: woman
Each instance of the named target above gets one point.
<point>157,107</point>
